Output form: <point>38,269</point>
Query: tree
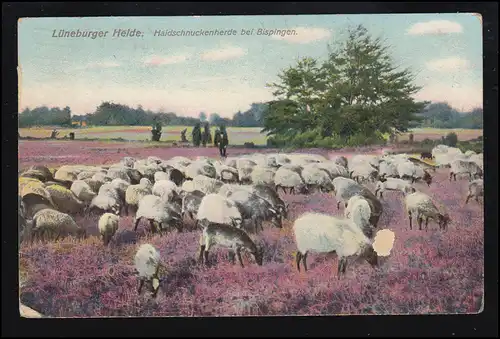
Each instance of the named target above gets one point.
<point>357,91</point>
<point>214,118</point>
<point>203,116</point>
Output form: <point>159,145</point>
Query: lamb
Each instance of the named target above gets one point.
<point>286,178</point>
<point>229,237</point>
<point>254,208</point>
<point>135,193</point>
<point>108,225</point>
<point>358,210</point>
<point>476,190</point>
<point>82,191</point>
<point>421,205</point>
<point>65,200</point>
<point>191,203</point>
<point>317,178</point>
<point>465,167</point>
<point>159,212</point>
<point>147,264</point>
<point>321,233</point>
<point>48,224</point>
<point>219,209</point>
<point>206,185</point>
<point>393,184</point>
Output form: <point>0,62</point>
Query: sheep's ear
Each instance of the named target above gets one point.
<point>273,211</point>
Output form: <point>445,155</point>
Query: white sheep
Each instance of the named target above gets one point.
<point>358,210</point>
<point>421,205</point>
<point>65,200</point>
<point>363,172</point>
<point>465,167</point>
<point>200,168</point>
<point>49,224</point>
<point>128,161</point>
<point>219,209</point>
<point>317,178</point>
<point>344,189</point>
<point>394,184</point>
<point>108,225</point>
<point>286,178</point>
<point>160,213</point>
<point>148,264</point>
<point>161,176</point>
<point>135,193</point>
<point>227,189</point>
<point>263,175</point>
<point>388,169</point>
<point>321,233</point>
<point>165,188</point>
<point>206,185</point>
<point>475,189</point>
<point>118,173</point>
<point>82,191</point>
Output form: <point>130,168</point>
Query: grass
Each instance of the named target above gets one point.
<point>430,272</point>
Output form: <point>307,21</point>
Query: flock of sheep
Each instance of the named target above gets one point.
<point>226,198</point>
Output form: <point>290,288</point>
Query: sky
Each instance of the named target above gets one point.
<point>224,74</point>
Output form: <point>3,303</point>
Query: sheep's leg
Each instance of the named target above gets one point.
<point>468,197</point>
<point>136,224</point>
<point>470,176</point>
<point>190,215</point>
<point>202,251</point>
<point>255,224</point>
<point>426,223</point>
<point>345,205</point>
<point>455,176</point>
<point>304,261</point>
<point>141,284</point>
<point>451,175</point>
<point>232,257</point>
<point>420,220</point>
<point>298,257</point>
<point>410,217</point>
<point>152,226</point>
<point>238,254</point>
<point>338,204</point>
<point>341,266</point>
<point>292,190</point>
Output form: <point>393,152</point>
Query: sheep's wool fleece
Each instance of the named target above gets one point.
<point>108,219</point>
<point>217,208</point>
<point>419,201</point>
<point>146,260</point>
<point>324,233</point>
<point>152,207</point>
<point>52,217</point>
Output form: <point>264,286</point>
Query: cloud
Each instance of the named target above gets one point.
<point>435,27</point>
<point>167,60</point>
<point>451,64</point>
<point>226,53</point>
<point>100,64</point>
<point>460,97</point>
<point>305,35</point>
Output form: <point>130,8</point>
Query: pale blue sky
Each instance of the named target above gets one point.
<point>224,74</point>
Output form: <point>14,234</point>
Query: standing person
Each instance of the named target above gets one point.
<point>206,137</point>
<point>196,135</point>
<point>221,140</point>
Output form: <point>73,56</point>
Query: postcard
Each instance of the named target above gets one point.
<point>277,165</point>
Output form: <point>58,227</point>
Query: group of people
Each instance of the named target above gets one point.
<point>220,138</point>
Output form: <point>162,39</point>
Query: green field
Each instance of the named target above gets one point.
<point>237,135</point>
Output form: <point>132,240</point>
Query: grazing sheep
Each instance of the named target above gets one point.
<point>426,155</point>
<point>159,212</point>
<point>135,193</point>
<point>165,188</point>
<point>219,209</point>
<point>191,203</point>
<point>35,199</point>
<point>65,200</point>
<point>222,235</point>
<point>393,184</point>
<point>200,168</point>
<point>341,161</point>
<point>148,264</point>
<point>358,210</point>
<point>161,176</point>
<point>465,167</point>
<point>333,170</point>
<point>39,172</point>
<point>286,178</point>
<point>388,170</point>
<point>421,205</point>
<point>363,172</point>
<point>410,171</point>
<point>227,189</point>
<point>48,224</point>
<point>187,186</point>
<point>317,179</point>
<point>245,168</point>
<point>176,176</point>
<point>104,203</point>
<point>82,191</point>
<point>476,190</point>
<point>128,161</point>
<point>321,233</point>
<point>256,209</point>
<point>269,193</point>
<point>118,173</point>
<point>108,225</point>
<point>206,185</point>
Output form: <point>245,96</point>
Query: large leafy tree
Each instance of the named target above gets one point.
<point>357,90</point>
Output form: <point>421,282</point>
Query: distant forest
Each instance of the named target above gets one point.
<point>436,115</point>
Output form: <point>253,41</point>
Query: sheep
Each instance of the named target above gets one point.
<point>321,233</point>
<point>108,225</point>
<point>255,208</point>
<point>121,187</point>
<point>39,172</point>
<point>82,191</point>
<point>104,203</point>
<point>226,189</point>
<point>187,186</point>
<point>118,173</point>
<point>127,161</point>
<point>35,199</point>
<point>341,161</point>
<point>148,171</point>
<point>358,210</point>
<point>421,205</point>
<point>475,189</point>
<point>363,172</point>
<point>135,193</point>
<point>229,237</point>
<point>269,193</point>
<point>200,168</point>
<point>245,169</point>
<point>219,209</point>
<point>191,203</point>
<point>262,175</point>
<point>176,176</point>
<point>152,160</point>
<point>286,178</point>
<point>65,200</point>
<point>161,176</point>
<point>159,213</point>
<point>465,167</point>
<point>333,170</point>
<point>388,170</point>
<point>409,171</point>
<point>229,174</point>
<point>148,264</point>
<point>206,185</point>
<point>426,155</point>
<point>393,184</point>
<point>165,188</point>
<point>317,178</point>
<point>48,224</point>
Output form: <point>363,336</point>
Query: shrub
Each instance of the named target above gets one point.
<point>451,139</point>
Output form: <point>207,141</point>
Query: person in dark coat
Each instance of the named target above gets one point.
<point>206,137</point>
<point>221,140</point>
<point>196,135</point>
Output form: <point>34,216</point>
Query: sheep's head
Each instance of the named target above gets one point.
<point>427,178</point>
<point>115,209</point>
<point>444,220</point>
<point>258,254</point>
<point>370,256</point>
<point>236,222</point>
